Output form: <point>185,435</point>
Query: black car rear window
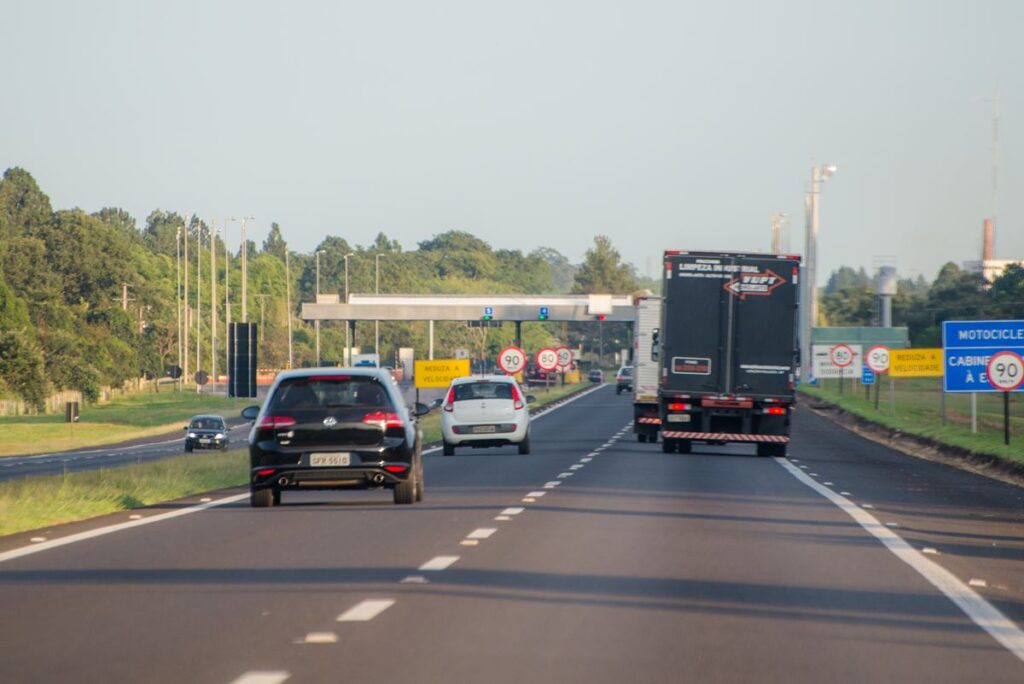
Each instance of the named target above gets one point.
<point>330,392</point>
<point>207,424</point>
<point>483,390</point>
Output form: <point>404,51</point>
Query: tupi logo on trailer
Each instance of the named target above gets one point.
<point>759,284</point>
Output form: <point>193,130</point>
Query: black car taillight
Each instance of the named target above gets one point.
<point>385,419</point>
<point>271,423</point>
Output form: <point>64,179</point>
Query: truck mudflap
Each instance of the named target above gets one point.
<point>646,420</point>
<point>724,437</point>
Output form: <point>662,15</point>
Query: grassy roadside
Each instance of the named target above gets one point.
<point>123,418</point>
<point>32,503</point>
<point>36,502</point>
<point>917,411</point>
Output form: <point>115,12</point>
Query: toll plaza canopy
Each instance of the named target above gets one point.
<point>412,307</point>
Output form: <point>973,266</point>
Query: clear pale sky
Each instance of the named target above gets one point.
<point>660,124</point>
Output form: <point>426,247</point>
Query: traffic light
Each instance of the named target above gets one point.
<point>485,317</point>
<point>542,315</point>
<point>600,317</point>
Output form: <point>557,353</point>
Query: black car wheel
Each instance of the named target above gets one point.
<point>447,448</point>
<point>188,448</point>
<point>405,491</point>
<point>419,482</point>
<point>261,498</point>
<point>524,446</point>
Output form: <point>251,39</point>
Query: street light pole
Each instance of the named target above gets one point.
<point>376,290</point>
<point>347,356</point>
<point>316,323</point>
<point>245,273</point>
<point>177,297</point>
<point>213,306</point>
<point>199,301</point>
<point>819,174</point>
<point>288,302</point>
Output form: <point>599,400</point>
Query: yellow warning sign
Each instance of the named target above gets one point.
<point>439,372</point>
<point>915,363</point>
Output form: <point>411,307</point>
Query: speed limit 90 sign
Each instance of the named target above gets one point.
<point>877,358</point>
<point>1005,371</point>
<point>512,360</point>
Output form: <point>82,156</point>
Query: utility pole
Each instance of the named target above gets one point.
<point>376,290</point>
<point>177,292</point>
<point>124,296</point>
<point>288,301</point>
<point>263,318</point>
<point>779,221</point>
<point>213,305</point>
<point>809,303</point>
<point>199,301</point>
<point>227,274</point>
<point>347,356</point>
<point>316,323</point>
<point>245,271</point>
<point>184,375</point>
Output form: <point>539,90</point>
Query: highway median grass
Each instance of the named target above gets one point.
<point>123,418</point>
<point>916,409</point>
<point>36,502</point>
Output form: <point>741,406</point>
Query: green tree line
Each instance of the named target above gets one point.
<point>848,299</point>
<point>92,300</point>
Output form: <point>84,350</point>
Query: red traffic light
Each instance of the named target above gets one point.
<point>600,317</point>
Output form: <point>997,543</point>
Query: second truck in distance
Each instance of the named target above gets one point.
<point>728,349</point>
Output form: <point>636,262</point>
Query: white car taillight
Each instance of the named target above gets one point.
<point>449,402</point>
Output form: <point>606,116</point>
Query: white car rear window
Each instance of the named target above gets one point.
<point>483,390</point>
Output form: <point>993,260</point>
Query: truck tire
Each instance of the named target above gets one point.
<point>668,446</point>
<point>653,437</point>
<point>684,446</point>
<point>779,451</point>
<point>641,437</point>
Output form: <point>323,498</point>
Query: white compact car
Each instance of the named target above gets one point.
<point>484,411</point>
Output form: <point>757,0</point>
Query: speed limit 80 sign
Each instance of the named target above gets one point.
<point>1005,371</point>
<point>547,359</point>
<point>841,355</point>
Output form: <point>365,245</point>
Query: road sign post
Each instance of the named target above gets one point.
<point>1005,371</point>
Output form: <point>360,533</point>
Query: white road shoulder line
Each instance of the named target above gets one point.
<point>983,613</point>
<point>110,529</point>
<point>439,563</point>
<point>263,677</point>
<point>366,610</point>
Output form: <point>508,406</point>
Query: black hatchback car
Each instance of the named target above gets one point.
<point>206,432</point>
<point>335,428</point>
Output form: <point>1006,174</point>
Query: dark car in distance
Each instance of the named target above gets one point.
<point>596,375</point>
<point>334,428</point>
<point>206,432</point>
<point>624,380</point>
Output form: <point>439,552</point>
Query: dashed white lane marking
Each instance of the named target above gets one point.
<point>846,493</point>
<point>439,563</point>
<point>469,542</point>
<point>37,540</point>
<point>828,484</point>
<point>980,611</point>
<point>527,499</point>
<point>502,518</point>
<point>575,466</point>
<point>366,610</point>
<point>592,454</point>
<point>536,495</point>
<point>974,582</point>
<point>930,551</point>
<point>892,524</point>
<point>319,638</point>
<point>552,484</point>
<point>516,510</point>
<point>482,533</point>
<point>263,677</point>
<point>135,517</point>
<point>868,506</point>
<point>588,459</point>
<point>415,579</point>
<point>110,529</point>
<point>564,475</point>
<point>205,499</point>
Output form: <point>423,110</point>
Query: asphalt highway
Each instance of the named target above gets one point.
<point>594,559</point>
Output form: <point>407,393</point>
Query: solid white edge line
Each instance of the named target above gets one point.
<point>110,529</point>
<point>365,611</point>
<point>263,677</point>
<point>980,611</point>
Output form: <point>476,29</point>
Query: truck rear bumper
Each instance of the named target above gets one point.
<point>724,437</point>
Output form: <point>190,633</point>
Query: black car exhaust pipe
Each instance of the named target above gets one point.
<point>378,478</point>
<point>282,481</point>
